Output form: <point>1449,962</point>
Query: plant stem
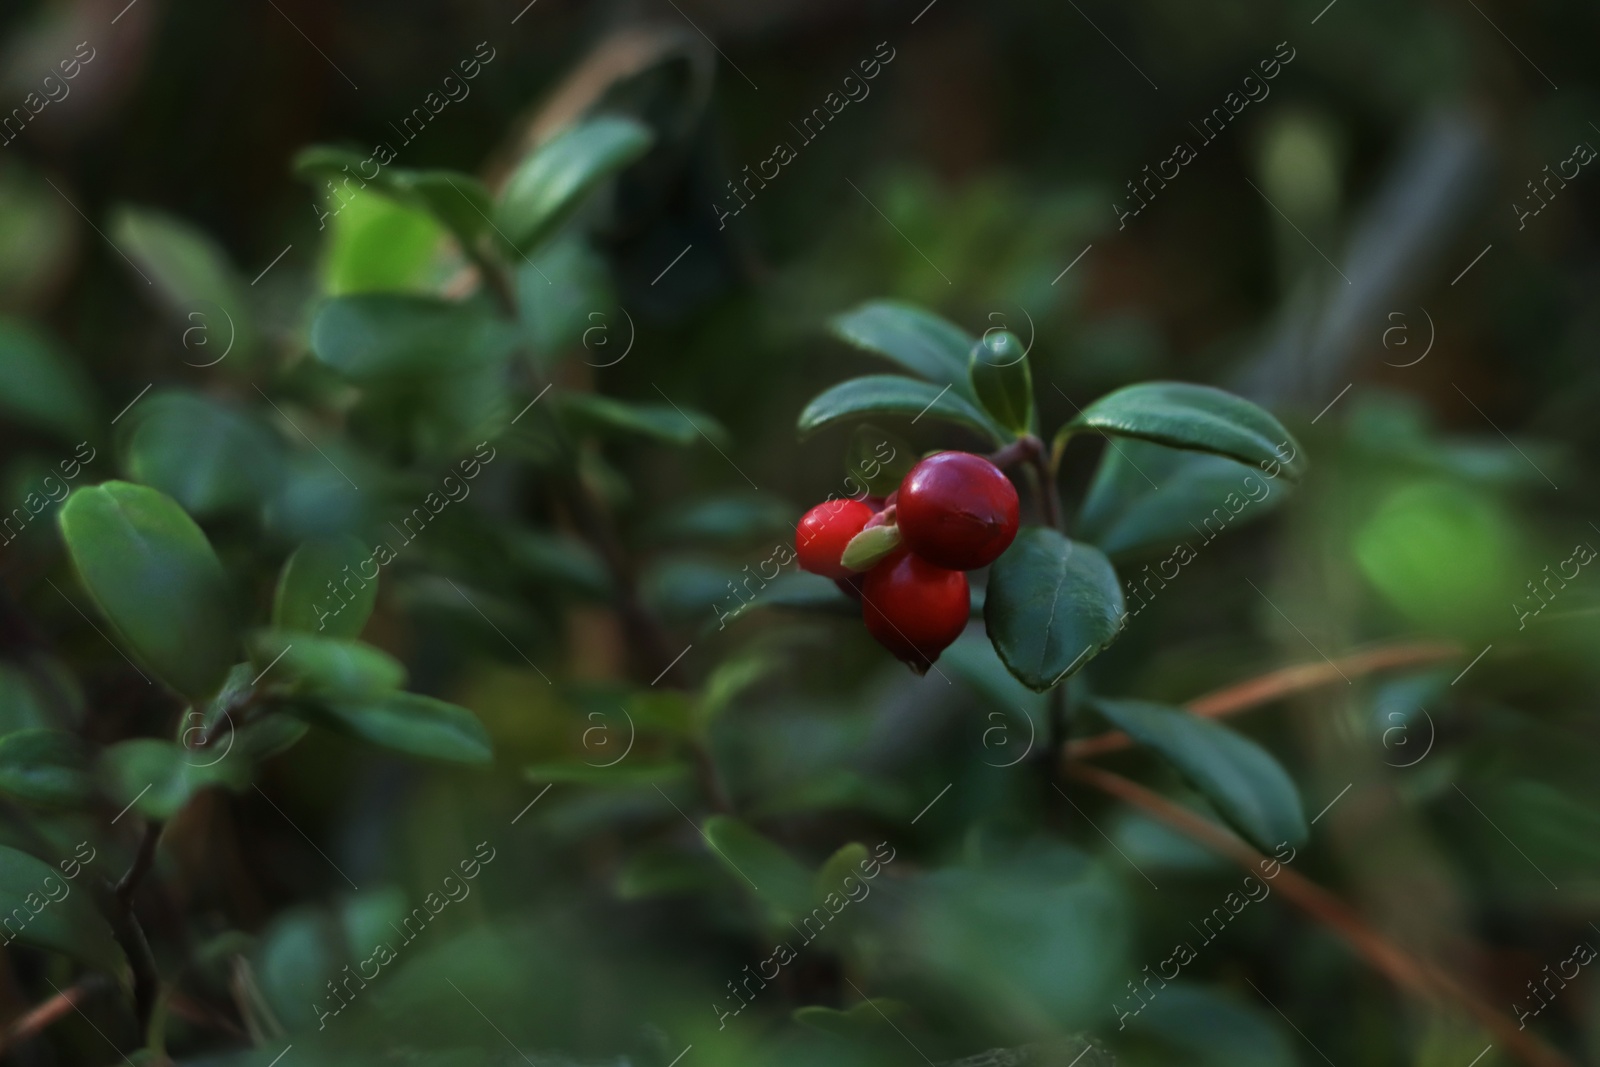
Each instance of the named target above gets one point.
<point>1286,681</point>
<point>1030,450</point>
<point>1418,977</point>
<point>130,935</point>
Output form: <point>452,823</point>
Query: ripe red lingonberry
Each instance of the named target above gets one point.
<point>823,532</point>
<point>913,608</point>
<point>957,510</point>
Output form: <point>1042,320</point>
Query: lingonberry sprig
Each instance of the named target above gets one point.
<point>954,512</point>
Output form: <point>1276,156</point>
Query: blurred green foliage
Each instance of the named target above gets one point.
<point>436,544</point>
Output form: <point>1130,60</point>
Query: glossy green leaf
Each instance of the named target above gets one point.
<point>753,861</point>
<point>869,546</point>
<point>1002,380</point>
<point>191,276</point>
<point>45,767</point>
<point>44,386</point>
<point>1147,496</point>
<point>157,778</point>
<point>1245,783</point>
<point>1052,605</point>
<point>323,666</point>
<point>917,340</point>
<point>207,457</point>
<point>46,909</point>
<point>663,422</point>
<point>1196,417</point>
<point>552,182</point>
<point>373,336</point>
<point>408,722</point>
<point>877,460</point>
<point>155,577</point>
<point>306,601</point>
<point>891,394</point>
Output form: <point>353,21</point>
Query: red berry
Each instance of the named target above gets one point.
<point>823,532</point>
<point>913,608</point>
<point>957,510</point>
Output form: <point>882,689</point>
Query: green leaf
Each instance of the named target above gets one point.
<point>1245,783</point>
<point>44,387</point>
<point>663,422</point>
<point>373,336</point>
<point>28,702</point>
<point>869,1020</point>
<point>892,394</point>
<point>458,201</point>
<point>1037,939</point>
<point>878,459</point>
<point>206,457</point>
<point>1147,496</point>
<point>752,860</point>
<point>869,546</point>
<point>188,271</point>
<point>917,340</point>
<point>1196,417</point>
<point>370,917</point>
<point>45,767</point>
<point>845,863</point>
<point>1052,605</point>
<point>155,577</point>
<point>1002,380</point>
<point>408,722</point>
<point>304,599</point>
<point>259,739</point>
<point>46,909</point>
<point>657,871</point>
<point>157,778</point>
<point>1206,1027</point>
<point>551,183</point>
<point>324,666</point>
<point>733,519</point>
<point>733,676</point>
<point>297,956</point>
<point>559,560</point>
<point>375,244</point>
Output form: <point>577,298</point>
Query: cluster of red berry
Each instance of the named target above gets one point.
<point>953,512</point>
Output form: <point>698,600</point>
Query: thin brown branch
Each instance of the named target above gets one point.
<point>1030,450</point>
<point>1286,681</point>
<point>41,1017</point>
<point>1417,977</point>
